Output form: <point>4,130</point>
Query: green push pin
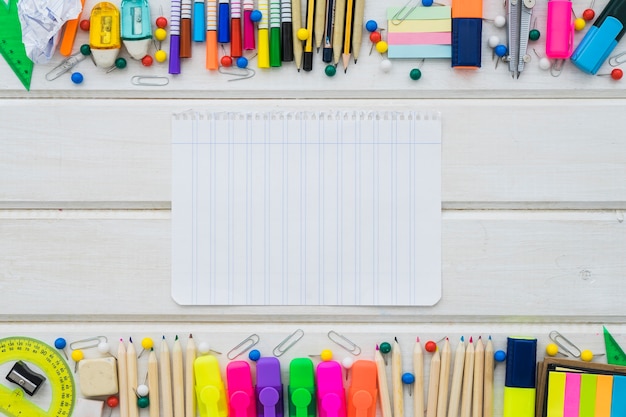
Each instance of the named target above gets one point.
<point>415,74</point>
<point>330,70</point>
<point>385,348</point>
<point>534,35</point>
<point>143,402</point>
<point>120,63</point>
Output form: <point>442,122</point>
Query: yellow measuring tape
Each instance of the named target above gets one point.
<point>13,402</point>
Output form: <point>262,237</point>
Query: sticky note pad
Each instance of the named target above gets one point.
<point>571,404</point>
<point>604,392</point>
<point>556,394</point>
<point>618,400</point>
<point>98,376</point>
<point>423,32</point>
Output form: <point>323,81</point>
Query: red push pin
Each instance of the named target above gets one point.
<point>589,14</point>
<point>112,402</point>
<point>375,37</point>
<point>615,74</point>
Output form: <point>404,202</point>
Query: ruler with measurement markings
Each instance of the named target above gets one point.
<point>11,46</point>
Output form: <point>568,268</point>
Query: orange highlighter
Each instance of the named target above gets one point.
<point>211,35</point>
<point>69,34</point>
<point>361,397</point>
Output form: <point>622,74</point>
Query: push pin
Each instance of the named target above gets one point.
<point>254,355</point>
<point>112,402</point>
<point>544,63</point>
<point>120,63</point>
<point>60,343</point>
<point>385,65</point>
<point>498,21</point>
<point>500,51</point>
<point>347,363</point>
<point>579,22</point>
<point>204,348</point>
<point>499,356</point>
<point>146,344</point>
<point>615,74</point>
<point>560,342</point>
<point>385,348</point>
<point>142,391</point>
<point>77,356</point>
<point>326,355</point>
<point>415,74</point>
<point>589,14</point>
<point>534,33</point>
<point>408,379</point>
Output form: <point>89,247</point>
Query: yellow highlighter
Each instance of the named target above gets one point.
<point>519,383</point>
<point>210,392</point>
<point>263,41</point>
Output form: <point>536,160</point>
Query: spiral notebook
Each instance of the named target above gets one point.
<point>306,208</point>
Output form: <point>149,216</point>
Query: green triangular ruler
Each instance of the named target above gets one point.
<point>11,45</point>
<point>614,353</point>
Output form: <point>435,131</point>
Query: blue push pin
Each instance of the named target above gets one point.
<point>77,77</point>
<point>427,3</point>
<point>408,379</point>
<point>499,356</point>
<point>256,16</point>
<point>60,344</point>
<point>371,25</point>
<point>254,355</point>
<point>242,62</point>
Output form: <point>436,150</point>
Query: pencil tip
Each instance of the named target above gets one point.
<point>176,338</point>
<point>355,60</point>
<point>396,339</point>
<point>377,348</point>
<point>163,337</point>
<point>489,337</point>
<point>121,340</point>
<point>471,340</point>
<point>462,339</point>
<point>190,336</point>
<point>130,339</point>
<point>418,339</point>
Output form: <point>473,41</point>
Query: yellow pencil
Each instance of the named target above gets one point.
<point>347,34</point>
<point>307,63</point>
<point>190,396</point>
<point>396,380</point>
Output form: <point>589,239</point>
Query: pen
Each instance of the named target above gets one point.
<point>235,28</point>
<point>275,60</point>
<point>223,31</point>
<point>396,380</point>
<point>199,22</point>
<point>122,376</point>
<point>177,379</point>
<point>263,41</point>
<point>327,51</point>
<point>444,380</point>
<point>249,42</point>
<point>190,395</point>
<point>340,14</point>
<point>296,25</point>
<point>286,29</point>
<point>166,380</point>
<point>185,29</point>
<point>418,388</point>
<point>347,43</point>
<point>211,35</point>
<point>174,65</point>
<point>357,28</point>
<point>307,58</point>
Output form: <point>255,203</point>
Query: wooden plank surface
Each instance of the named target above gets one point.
<point>496,153</point>
<point>114,265</point>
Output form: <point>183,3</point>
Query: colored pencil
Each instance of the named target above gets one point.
<point>468,381</point>
<point>396,380</point>
<point>418,388</point>
<point>166,380</point>
<point>190,394</point>
<point>488,387</point>
<point>457,379</point>
<point>433,384</point>
<point>444,380</point>
<point>383,389</point>
<point>122,376</point>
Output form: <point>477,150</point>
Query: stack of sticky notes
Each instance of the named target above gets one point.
<point>421,32</point>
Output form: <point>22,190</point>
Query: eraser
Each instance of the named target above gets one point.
<point>98,377</point>
<point>88,408</point>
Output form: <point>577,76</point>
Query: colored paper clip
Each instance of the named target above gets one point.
<point>88,343</point>
<point>269,388</point>
<point>243,347</point>
<point>288,343</point>
<point>344,342</point>
<point>240,391</point>
<point>150,80</point>
<point>396,19</point>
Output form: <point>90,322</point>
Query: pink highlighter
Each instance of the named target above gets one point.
<point>560,33</point>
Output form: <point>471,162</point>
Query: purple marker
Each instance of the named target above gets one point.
<point>269,388</point>
<point>175,38</point>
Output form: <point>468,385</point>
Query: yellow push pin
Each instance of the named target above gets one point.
<point>326,355</point>
<point>146,344</point>
<point>77,356</point>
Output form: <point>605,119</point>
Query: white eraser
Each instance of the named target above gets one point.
<point>88,408</point>
<point>98,377</point>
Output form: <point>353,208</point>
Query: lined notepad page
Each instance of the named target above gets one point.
<point>306,208</point>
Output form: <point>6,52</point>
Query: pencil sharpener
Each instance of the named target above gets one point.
<point>29,380</point>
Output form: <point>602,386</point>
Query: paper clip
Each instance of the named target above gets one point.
<point>88,343</point>
<point>288,342</point>
<point>344,342</point>
<point>66,65</point>
<point>617,59</point>
<point>150,80</point>
<point>564,344</point>
<point>247,73</point>
<point>395,20</point>
<point>244,346</point>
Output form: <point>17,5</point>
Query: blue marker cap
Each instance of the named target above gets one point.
<point>521,362</point>
<point>466,42</point>
<point>199,24</point>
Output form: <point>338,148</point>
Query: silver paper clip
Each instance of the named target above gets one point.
<point>288,342</point>
<point>618,59</point>
<point>150,80</point>
<point>397,19</point>
<point>88,343</point>
<point>65,66</point>
<point>344,342</point>
<point>243,347</point>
